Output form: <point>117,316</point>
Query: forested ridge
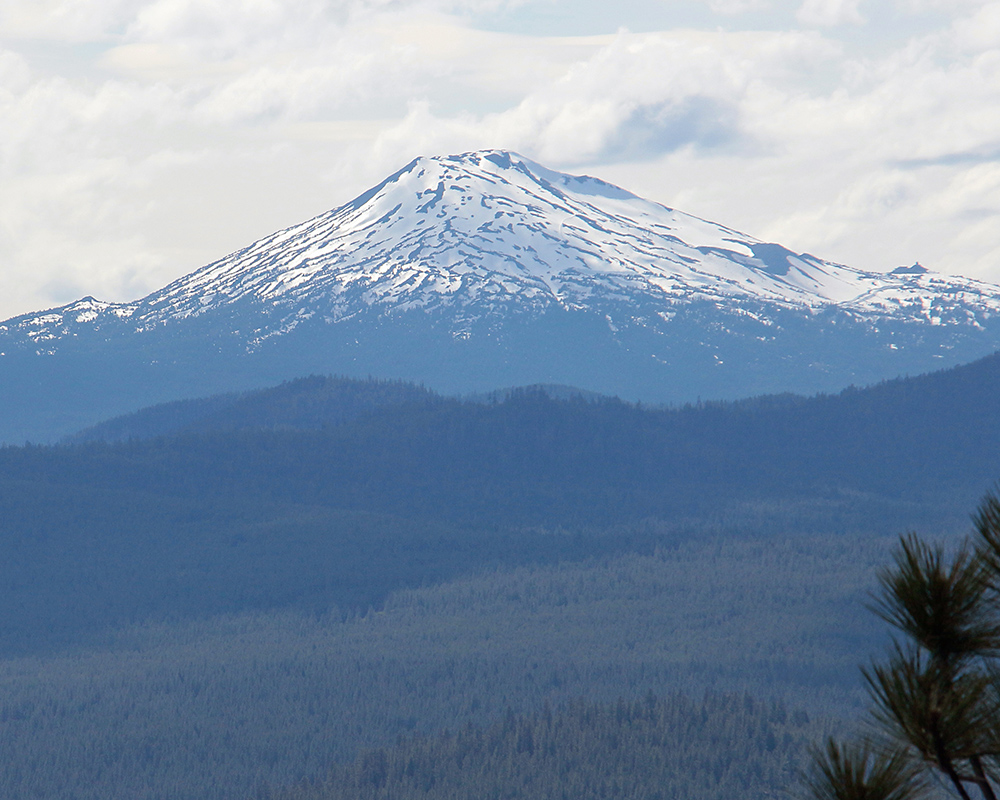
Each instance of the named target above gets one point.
<point>530,459</point>
<point>212,709</point>
<point>373,486</point>
<point>254,588</point>
<point>656,748</point>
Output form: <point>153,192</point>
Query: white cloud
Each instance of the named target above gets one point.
<point>66,20</point>
<point>828,13</point>
<point>639,97</point>
<point>196,126</point>
<point>950,6</point>
<point>979,31</point>
<point>15,75</point>
<point>732,7</point>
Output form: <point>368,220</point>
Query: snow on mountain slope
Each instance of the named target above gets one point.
<point>484,269</point>
<point>491,232</point>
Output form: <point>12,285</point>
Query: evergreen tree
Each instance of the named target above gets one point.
<point>859,771</point>
<point>936,699</point>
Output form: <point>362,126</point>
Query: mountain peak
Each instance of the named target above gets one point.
<point>489,232</point>
<point>504,160</point>
<point>483,269</point>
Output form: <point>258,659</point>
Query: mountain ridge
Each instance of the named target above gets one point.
<point>234,516</point>
<point>943,426</point>
<point>485,269</point>
<point>321,256</point>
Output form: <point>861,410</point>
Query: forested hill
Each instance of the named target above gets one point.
<point>652,749</point>
<point>301,502</point>
<point>329,565</point>
<point>307,403</point>
<point>533,460</point>
<point>310,403</point>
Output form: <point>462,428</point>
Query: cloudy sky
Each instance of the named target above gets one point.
<point>141,139</point>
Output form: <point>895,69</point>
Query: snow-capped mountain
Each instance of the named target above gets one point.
<point>489,231</point>
<point>485,268</point>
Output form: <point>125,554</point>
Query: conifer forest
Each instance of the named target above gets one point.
<point>361,589</point>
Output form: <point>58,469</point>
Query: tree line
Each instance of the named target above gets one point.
<point>209,708</point>
<point>655,748</point>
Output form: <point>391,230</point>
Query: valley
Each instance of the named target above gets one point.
<point>250,594</point>
<point>493,481</point>
<point>215,707</point>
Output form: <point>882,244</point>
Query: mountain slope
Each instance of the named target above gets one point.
<point>311,403</point>
<point>532,460</point>
<point>486,230</point>
<point>485,269</point>
<point>645,750</point>
<point>252,512</point>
